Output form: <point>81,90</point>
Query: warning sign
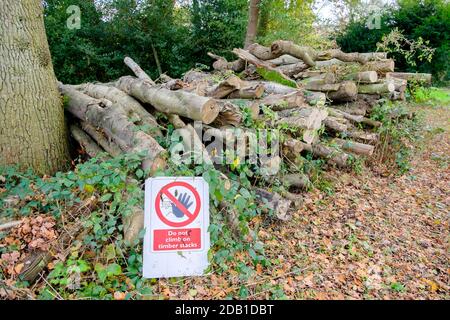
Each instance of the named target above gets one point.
<point>176,220</point>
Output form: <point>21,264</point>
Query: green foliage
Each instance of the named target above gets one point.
<point>289,20</point>
<point>432,96</point>
<point>398,134</point>
<point>157,34</point>
<point>273,76</point>
<point>424,19</point>
<point>217,26</point>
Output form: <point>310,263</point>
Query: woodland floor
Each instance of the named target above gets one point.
<point>373,235</point>
<point>377,236</point>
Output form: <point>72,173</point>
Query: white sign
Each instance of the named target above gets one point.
<point>176,239</point>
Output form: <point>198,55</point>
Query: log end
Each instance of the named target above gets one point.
<point>210,111</point>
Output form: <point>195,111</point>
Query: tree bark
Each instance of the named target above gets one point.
<point>221,64</point>
<point>355,147</point>
<point>348,91</point>
<point>306,54</point>
<point>179,102</point>
<point>377,88</point>
<point>130,105</point>
<point>420,77</point>
<point>114,122</point>
<point>32,128</point>
<point>380,66</point>
<point>137,70</point>
<point>363,77</point>
<point>261,52</point>
<point>265,66</point>
<point>252,27</point>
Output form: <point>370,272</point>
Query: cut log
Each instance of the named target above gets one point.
<point>363,77</point>
<point>332,155</point>
<point>335,124</point>
<point>347,92</point>
<point>176,121</point>
<point>319,85</point>
<point>195,75</point>
<point>279,102</point>
<point>272,201</point>
<point>285,59</point>
<point>355,147</point>
<point>133,222</point>
<point>315,98</point>
<point>265,69</point>
<point>193,147</point>
<point>261,52</point>
<point>229,114</point>
<point>107,144</point>
<point>292,69</point>
<point>179,102</point>
<point>357,119</point>
<point>361,58</point>
<point>249,91</point>
<point>400,84</point>
<point>224,88</point>
<point>364,136</point>
<point>114,122</point>
<point>380,66</point>
<point>276,88</point>
<point>305,117</point>
<point>306,54</point>
<point>10,225</point>
<point>222,64</point>
<point>245,105</point>
<point>320,78</point>
<point>329,63</point>
<point>171,84</point>
<point>377,88</point>
<point>131,106</point>
<point>137,70</point>
<point>291,149</point>
<point>358,107</point>
<point>306,121</point>
<point>296,180</point>
<point>87,144</point>
<point>420,77</point>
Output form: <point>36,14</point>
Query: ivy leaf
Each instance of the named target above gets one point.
<point>106,197</point>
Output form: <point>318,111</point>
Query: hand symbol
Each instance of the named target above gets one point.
<point>183,198</point>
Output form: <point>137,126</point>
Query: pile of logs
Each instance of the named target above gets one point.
<point>322,99</point>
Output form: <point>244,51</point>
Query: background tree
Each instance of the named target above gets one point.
<point>426,19</point>
<point>253,18</point>
<point>32,129</point>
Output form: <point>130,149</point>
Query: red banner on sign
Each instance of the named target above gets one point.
<point>177,239</point>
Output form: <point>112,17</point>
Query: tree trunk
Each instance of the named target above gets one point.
<point>32,128</point>
<point>252,27</point>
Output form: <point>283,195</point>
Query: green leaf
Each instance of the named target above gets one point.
<point>114,270</point>
<point>139,173</point>
<point>106,197</point>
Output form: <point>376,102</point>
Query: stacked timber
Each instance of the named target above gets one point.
<point>320,101</point>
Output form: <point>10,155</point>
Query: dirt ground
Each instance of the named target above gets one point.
<point>375,237</point>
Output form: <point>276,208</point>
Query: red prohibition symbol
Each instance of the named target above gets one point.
<point>191,215</point>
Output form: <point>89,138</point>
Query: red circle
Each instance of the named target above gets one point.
<point>158,203</point>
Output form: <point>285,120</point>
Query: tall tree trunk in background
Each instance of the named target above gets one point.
<point>252,27</point>
<point>32,128</point>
